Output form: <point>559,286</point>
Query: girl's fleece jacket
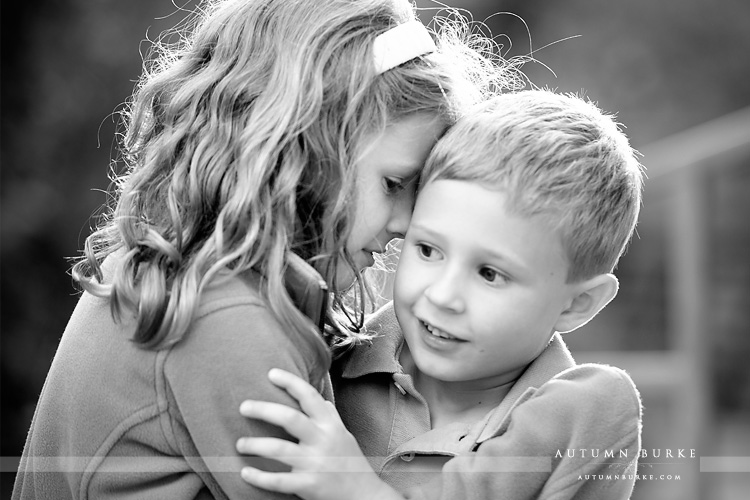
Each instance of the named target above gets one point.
<point>121,422</point>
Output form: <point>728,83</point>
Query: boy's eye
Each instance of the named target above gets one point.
<point>491,276</point>
<point>426,251</point>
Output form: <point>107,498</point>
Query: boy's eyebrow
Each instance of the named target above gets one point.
<point>514,263</point>
<point>429,232</point>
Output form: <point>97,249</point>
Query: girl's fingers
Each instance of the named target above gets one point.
<point>290,419</point>
<point>278,449</point>
<point>282,482</point>
<point>311,402</point>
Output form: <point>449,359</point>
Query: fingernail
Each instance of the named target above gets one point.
<point>246,472</point>
<point>246,407</point>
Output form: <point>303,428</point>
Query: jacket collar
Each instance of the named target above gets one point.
<point>307,289</point>
<point>380,354</point>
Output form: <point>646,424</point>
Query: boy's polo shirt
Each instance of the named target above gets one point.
<point>390,419</point>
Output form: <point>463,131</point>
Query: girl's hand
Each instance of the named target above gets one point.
<point>327,463</point>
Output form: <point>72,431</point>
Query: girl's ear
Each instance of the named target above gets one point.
<point>590,297</point>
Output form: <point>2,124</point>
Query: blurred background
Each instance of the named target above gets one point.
<point>676,72</point>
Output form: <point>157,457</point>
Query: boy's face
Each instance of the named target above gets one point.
<point>478,290</point>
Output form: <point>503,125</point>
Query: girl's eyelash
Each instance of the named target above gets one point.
<point>393,185</point>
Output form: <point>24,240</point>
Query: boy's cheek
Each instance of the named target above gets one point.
<point>408,283</point>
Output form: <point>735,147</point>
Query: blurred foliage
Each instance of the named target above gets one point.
<point>69,65</point>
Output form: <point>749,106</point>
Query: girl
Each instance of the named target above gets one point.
<point>276,136</point>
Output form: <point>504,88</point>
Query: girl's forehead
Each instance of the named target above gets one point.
<point>403,146</point>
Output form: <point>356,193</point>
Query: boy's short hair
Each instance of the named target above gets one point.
<point>553,155</point>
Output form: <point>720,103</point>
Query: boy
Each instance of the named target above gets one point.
<point>468,390</point>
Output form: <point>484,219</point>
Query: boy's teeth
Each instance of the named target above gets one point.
<point>437,333</point>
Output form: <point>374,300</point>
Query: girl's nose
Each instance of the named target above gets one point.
<point>401,212</point>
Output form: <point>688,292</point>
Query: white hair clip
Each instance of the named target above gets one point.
<point>401,44</point>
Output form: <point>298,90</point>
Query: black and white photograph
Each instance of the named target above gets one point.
<point>375,249</point>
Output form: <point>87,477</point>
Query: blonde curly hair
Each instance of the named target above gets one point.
<point>238,146</point>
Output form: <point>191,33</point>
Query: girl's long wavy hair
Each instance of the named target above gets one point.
<point>238,148</point>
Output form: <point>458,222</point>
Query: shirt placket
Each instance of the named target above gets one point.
<point>411,417</point>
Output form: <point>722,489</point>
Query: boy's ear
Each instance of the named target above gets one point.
<point>590,297</point>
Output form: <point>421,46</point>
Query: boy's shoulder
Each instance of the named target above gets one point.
<point>556,371</point>
<point>597,376</point>
<point>594,386</point>
<point>590,399</point>
<point>584,387</point>
<point>557,389</point>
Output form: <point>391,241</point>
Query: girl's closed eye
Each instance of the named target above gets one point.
<point>401,186</point>
<point>393,185</point>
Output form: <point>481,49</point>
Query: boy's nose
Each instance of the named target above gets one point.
<point>445,292</point>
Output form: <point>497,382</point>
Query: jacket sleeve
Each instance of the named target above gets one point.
<point>591,412</point>
<point>224,361</point>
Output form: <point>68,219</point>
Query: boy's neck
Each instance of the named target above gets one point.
<point>453,402</point>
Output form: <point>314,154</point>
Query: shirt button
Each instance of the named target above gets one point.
<point>407,457</point>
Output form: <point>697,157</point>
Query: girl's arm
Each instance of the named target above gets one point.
<point>224,360</point>
<point>589,407</point>
<point>327,463</point>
